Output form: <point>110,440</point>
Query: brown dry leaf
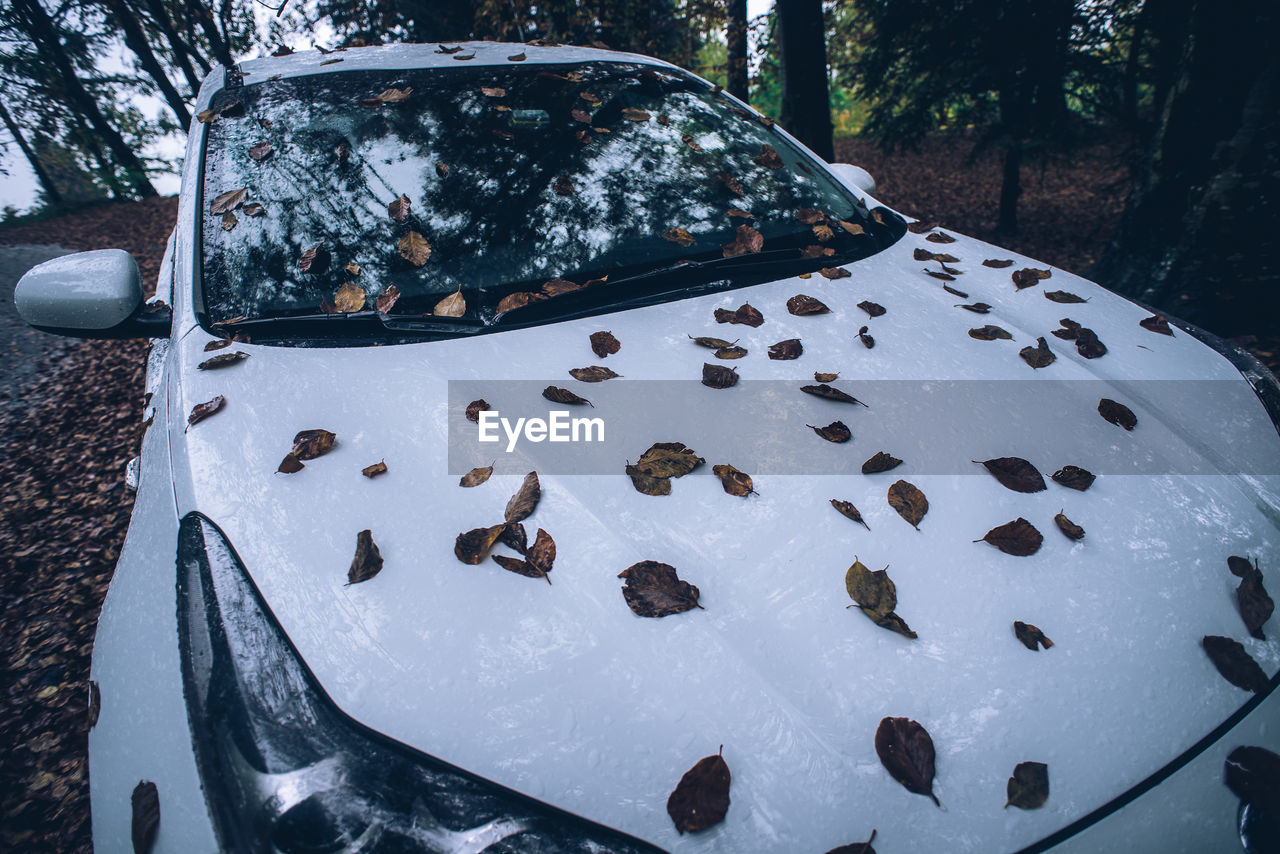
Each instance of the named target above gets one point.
<point>399,209</point>
<point>352,268</point>
<point>253,209</point>
<point>557,287</point>
<point>95,705</point>
<point>976,308</point>
<point>826,392</point>
<point>555,394</point>
<point>222,360</point>
<point>475,407</point>
<point>1063,297</point>
<point>768,157</point>
<point>946,277</point>
<point>810,216</point>
<point>414,248</point>
<point>387,96</point>
<point>1018,538</point>
<point>729,181</point>
<point>1255,605</point>
<point>1074,477</point>
<point>518,300</point>
<point>802,305</point>
<point>648,484</point>
<point>454,305</point>
<point>1156,323</point>
<point>493,91</point>
<point>876,596</point>
<point>835,273</point>
<point>835,432</point>
<point>816,251</point>
<point>711,343</point>
<point>748,241</point>
<point>939,237</point>
<point>307,445</point>
<point>865,338</point>
<point>581,116</point>
<point>631,114</point>
<point>922,254</point>
<point>701,798</point>
<point>1117,413</point>
<point>688,140</point>
<point>1015,473</point>
<point>909,502</point>
<point>1070,329</point>
<point>592,374</point>
<point>145,820</point>
<point>1028,277</point>
<point>954,292</point>
<point>852,228</point>
<point>201,411</point>
<point>1028,788</point>
<point>448,50</point>
<point>732,352</point>
<point>990,333</point>
<point>871,308</point>
<point>921,226</point>
<point>719,376</point>
<point>442,170</point>
<point>523,503</point>
<point>786,350</point>
<point>825,378</point>
<point>368,560</point>
<point>563,186</point>
<point>880,462</point>
<point>349,297</point>
<point>473,546</point>
<point>1066,526</point>
<point>476,476</point>
<point>1235,665</point>
<point>1039,356</point>
<point>734,212</point>
<point>849,511</point>
<point>387,299</point>
<point>734,482</point>
<point>217,344</point>
<point>1253,775</point>
<point>514,536</point>
<point>378,468</point>
<point>654,589</point>
<point>745,314</point>
<point>520,567</point>
<point>1088,344</point>
<point>679,236</point>
<point>228,201</point>
<point>823,232</point>
<point>1032,638</point>
<point>906,752</point>
<point>998,264</point>
<point>229,221</point>
<point>289,465</point>
<point>517,57</point>
<point>603,343</point>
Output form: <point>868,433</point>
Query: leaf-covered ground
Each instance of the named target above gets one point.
<point>69,433</point>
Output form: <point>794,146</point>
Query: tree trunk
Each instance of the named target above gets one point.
<point>46,36</point>
<point>50,189</point>
<point>218,47</point>
<point>806,108</point>
<point>180,52</point>
<point>1010,189</point>
<point>1197,238</point>
<point>136,40</point>
<point>736,36</point>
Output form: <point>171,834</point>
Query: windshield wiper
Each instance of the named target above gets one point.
<point>426,324</point>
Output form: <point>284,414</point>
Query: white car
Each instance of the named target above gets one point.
<point>386,257</point>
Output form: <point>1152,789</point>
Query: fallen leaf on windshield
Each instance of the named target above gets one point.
<point>414,248</point>
<point>990,333</point>
<point>253,209</point>
<point>816,251</point>
<point>865,338</point>
<point>603,343</point>
<point>1117,413</point>
<point>734,212</point>
<point>387,299</point>
<point>229,221</point>
<point>835,273</point>
<point>876,596</point>
<point>1067,527</point>
<point>476,476</point>
<point>1074,477</point>
<point>314,260</point>
<point>1028,788</point>
<point>581,116</point>
<point>1028,276</point>
<point>378,468</point>
<point>976,308</point>
<point>701,798</point>
<point>387,96</point>
<point>352,268</point>
<point>201,411</point>
<point>1156,323</point>
<point>679,236</point>
<point>851,227</point>
<point>1032,638</point>
<point>809,216</point>
<point>718,376</point>
<point>1039,356</point>
<point>349,297</point>
<point>522,504</point>
<point>555,394</point>
<point>1015,473</point>
<point>909,502</point>
<point>442,169</point>
<point>1019,538</point>
<point>803,305</point>
<point>826,392</point>
<point>563,186</point>
<point>871,308</point>
<point>748,240</point>
<point>654,589</point>
<point>475,407</point>
<point>145,820</point>
<point>787,350</point>
<point>589,97</point>
<point>939,237</point>
<point>688,140</point>
<point>473,546</point>
<point>454,305</point>
<point>228,201</point>
<point>399,209</point>
<point>632,114</point>
<point>823,232</point>
<point>768,157</point>
<point>592,374</point>
<point>557,287</point>
<point>849,511</point>
<point>1064,297</point>
<point>1235,665</point>
<point>729,181</point>
<point>493,91</point>
<point>1255,605</point>
<point>835,432</point>
<point>368,560</point>
<point>906,752</point>
<point>222,360</point>
<point>881,462</point>
<point>744,314</point>
<point>734,482</point>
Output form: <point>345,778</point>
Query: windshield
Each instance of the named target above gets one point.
<point>470,194</point>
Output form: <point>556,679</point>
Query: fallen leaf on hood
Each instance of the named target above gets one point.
<point>731,352</point>
<point>747,241</point>
<point>1089,345</point>
<point>1028,788</point>
<point>809,216</point>
<point>473,546</point>
<point>475,407</point>
<point>1032,638</point>
<point>368,560</point>
<point>745,314</point>
<point>1039,356</point>
<point>1235,665</point>
<point>648,484</point>
<point>1255,605</point>
<point>939,237</point>
<point>201,411</point>
<point>1064,297</point>
<point>711,343</point>
<point>856,847</point>
<point>1019,538</point>
<point>349,298</point>
<point>802,305</point>
<point>414,248</point>
<point>865,338</point>
<point>514,536</point>
<point>876,596</point>
<point>679,236</point>
<point>906,752</point>
<point>592,374</point>
<point>476,476</point>
<point>222,360</point>
<point>835,273</point>
<point>1015,473</point>
<point>786,350</point>
<point>990,333</point>
<point>1156,323</point>
<point>228,201</point>
<point>729,181</point>
<point>387,299</point>
<point>1253,775</point>
<point>522,504</point>
<point>555,394</point>
<point>946,277</point>
<point>998,264</point>
<point>922,254</point>
<point>718,376</point>
<point>880,462</point>
<point>517,57</point>
<point>1070,329</point>
<point>849,511</point>
<point>399,209</point>
<point>542,554</point>
<point>920,226</point>
<point>1067,527</point>
<point>1028,276</point>
<point>253,209</point>
<point>387,96</point>
<point>374,470</point>
<point>307,445</point>
<point>667,460</point>
<point>654,590</point>
<point>701,798</point>
<point>825,378</point>
<point>734,482</point>
<point>828,393</point>
<point>871,308</point>
<point>1117,413</point>
<point>836,431</point>
<point>909,502</point>
<point>94,707</point>
<point>603,343</point>
<point>954,292</point>
<point>145,821</point>
<point>1074,477</point>
<point>454,305</point>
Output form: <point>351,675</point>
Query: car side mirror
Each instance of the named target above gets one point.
<point>89,295</point>
<point>854,177</point>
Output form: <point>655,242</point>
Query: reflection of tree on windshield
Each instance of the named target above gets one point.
<point>514,176</point>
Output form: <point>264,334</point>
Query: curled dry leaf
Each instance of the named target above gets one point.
<point>1070,329</point>
<point>922,254</point>
<point>728,180</point>
<point>825,378</point>
<point>454,305</point>
<point>745,314</point>
<point>856,847</point>
<point>514,536</point>
<point>1028,277</point>
<point>768,157</point>
<point>880,462</point>
<point>823,232</point>
<point>920,226</point>
<point>954,292</point>
<point>998,263</point>
<point>1030,636</point>
<point>946,277</point>
<point>747,241</point>
<point>910,503</point>
<point>688,140</point>
<point>1063,297</point>
<point>1028,788</point>
<point>679,236</point>
<point>654,589</point>
<point>836,432</point>
<point>387,96</point>
<point>990,333</point>
<point>815,251</point>
<point>809,216</point>
<point>648,484</point>
<point>349,297</point>
<point>475,407</point>
<point>542,554</point>
<point>1117,413</point>
<point>414,248</point>
<point>476,476</point>
<point>701,798</point>
<point>555,394</point>
<point>740,214</point>
<point>580,115</point>
<point>939,237</point>
<point>731,352</point>
<point>253,209</point>
<point>378,468</point>
<point>849,511</point>
<point>828,393</point>
<point>976,308</point>
<point>145,821</point>
<point>1039,356</point>
<point>851,227</point>
<point>1089,345</point>
<point>442,170</point>
<point>557,287</point>
<point>1156,323</point>
<point>865,338</point>
<point>1067,527</point>
<point>1019,538</point>
<point>802,305</point>
<point>307,445</point>
<point>603,343</point>
<point>786,350</point>
<point>228,201</point>
<point>871,308</point>
<point>835,273</point>
<point>517,57</point>
<point>592,374</point>
<point>472,547</point>
<point>1235,665</point>
<point>1074,477</point>
<point>906,752</point>
<point>387,299</point>
<point>368,560</point>
<point>95,705</point>
<point>711,343</point>
<point>1256,605</point>
<point>719,376</point>
<point>631,114</point>
<point>201,411</point>
<point>399,209</point>
<point>521,567</point>
<point>876,596</point>
<point>1015,473</point>
<point>519,299</point>
<point>222,360</point>
<point>229,221</point>
<point>352,268</point>
<point>522,504</point>
<point>734,482</point>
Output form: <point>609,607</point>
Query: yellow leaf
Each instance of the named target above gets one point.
<point>454,305</point>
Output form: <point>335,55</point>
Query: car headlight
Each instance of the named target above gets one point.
<point>285,770</point>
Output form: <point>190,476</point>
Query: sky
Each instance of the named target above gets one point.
<point>18,184</point>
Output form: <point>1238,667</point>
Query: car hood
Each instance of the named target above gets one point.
<point>561,692</point>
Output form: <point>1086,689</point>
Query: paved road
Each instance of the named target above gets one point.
<point>22,349</point>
